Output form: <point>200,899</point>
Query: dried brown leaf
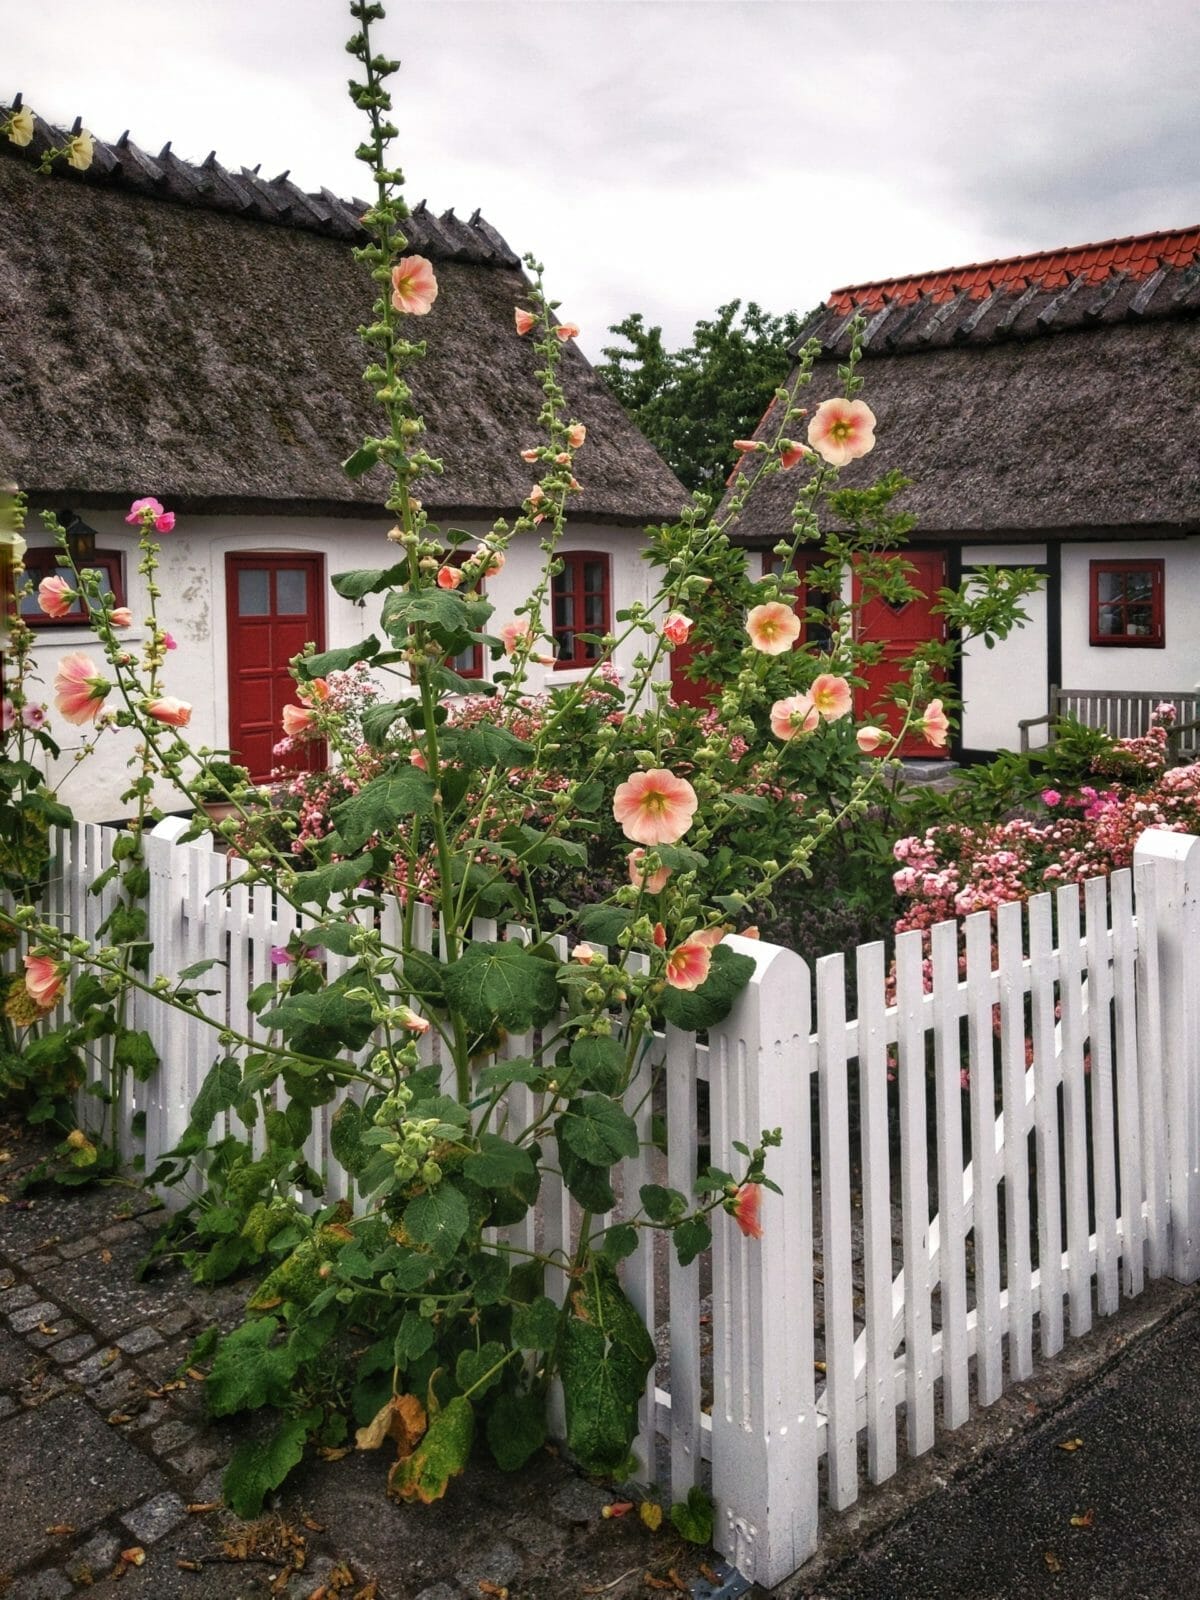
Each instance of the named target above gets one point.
<point>1070,1445</point>
<point>1085,1519</point>
<point>46,1329</point>
<point>60,1530</point>
<point>135,1556</point>
<point>651,1514</point>
<point>494,1590</point>
<point>201,1508</point>
<point>106,1257</point>
<point>1053,1564</point>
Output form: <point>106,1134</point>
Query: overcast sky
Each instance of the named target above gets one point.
<point>669,155</point>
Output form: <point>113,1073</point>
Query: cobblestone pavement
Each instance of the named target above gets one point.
<point>110,1469</point>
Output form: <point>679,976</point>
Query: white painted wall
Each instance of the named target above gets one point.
<point>1006,683</point>
<point>192,607</point>
<point>1176,665</point>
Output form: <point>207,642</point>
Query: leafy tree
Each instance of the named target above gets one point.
<point>692,403</point>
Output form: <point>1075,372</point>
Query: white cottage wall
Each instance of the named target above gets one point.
<point>1176,665</point>
<point>192,608</point>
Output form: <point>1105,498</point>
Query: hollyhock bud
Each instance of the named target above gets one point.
<point>869,739</point>
<point>676,627</point>
<point>121,617</point>
<point>523,319</point>
<point>449,577</point>
<point>175,713</point>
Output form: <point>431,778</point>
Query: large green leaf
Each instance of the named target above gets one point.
<point>220,1089</point>
<point>606,1357</point>
<point>713,1000</point>
<point>368,580</point>
<point>598,1130</point>
<point>250,1370</point>
<point>438,1220</point>
<point>319,886</point>
<point>317,666</point>
<point>405,791</point>
<point>502,983</point>
<point>586,1182</point>
<point>499,1164</point>
<point>260,1465</point>
<point>345,1137</point>
<point>488,746</point>
<point>603,923</point>
<point>441,1455</point>
<point>600,1061</point>
<point>322,1024</point>
<point>516,1428</point>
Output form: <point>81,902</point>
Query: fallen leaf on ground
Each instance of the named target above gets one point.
<point>189,1566</point>
<point>651,1514</point>
<point>333,1453</point>
<point>60,1530</point>
<point>135,1556</point>
<point>672,1581</point>
<point>493,1589</point>
<point>44,1327</point>
<point>118,1419</point>
<point>313,1527</point>
<point>201,1508</point>
<point>109,1356</point>
<point>106,1257</point>
<point>1053,1564</point>
<point>195,1375</point>
<point>1070,1444</point>
<point>714,1578</point>
<point>1085,1519</point>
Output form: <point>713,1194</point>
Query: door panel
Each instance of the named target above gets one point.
<point>900,629</point>
<point>274,608</point>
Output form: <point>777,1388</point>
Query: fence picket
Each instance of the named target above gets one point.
<point>989,1328</point>
<point>952,1226</point>
<point>1046,1128</point>
<point>1129,1105</point>
<point>1019,1266</point>
<point>836,1251</point>
<point>1153,1088</point>
<point>683,1282</point>
<point>877,1213</point>
<point>1071,999</point>
<point>1104,1167</point>
<point>914,1188</point>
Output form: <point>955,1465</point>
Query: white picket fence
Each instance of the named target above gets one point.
<point>925,1241</point>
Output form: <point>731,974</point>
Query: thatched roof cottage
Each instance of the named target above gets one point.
<point>1047,409</point>
<point>188,331</point>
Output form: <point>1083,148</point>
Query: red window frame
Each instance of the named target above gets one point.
<point>1156,638</point>
<point>772,562</point>
<point>571,583</point>
<point>475,670</point>
<point>44,563</point>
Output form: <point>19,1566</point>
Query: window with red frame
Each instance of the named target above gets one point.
<point>467,663</point>
<point>1127,603</point>
<point>39,564</point>
<point>581,604</point>
<point>812,632</point>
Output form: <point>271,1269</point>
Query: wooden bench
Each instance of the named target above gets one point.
<point>1123,714</point>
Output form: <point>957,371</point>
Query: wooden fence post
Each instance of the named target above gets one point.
<point>1174,859</point>
<point>764,1416</point>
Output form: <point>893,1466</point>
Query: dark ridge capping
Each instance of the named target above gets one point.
<point>1048,313</point>
<point>876,322</point>
<point>1108,293</point>
<point>940,318</point>
<point>1022,301</point>
<point>1141,300</point>
<point>985,305</point>
<point>907,318</point>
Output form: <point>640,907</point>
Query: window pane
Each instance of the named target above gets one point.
<point>1109,586</point>
<point>1139,620</point>
<point>253,593</point>
<point>1138,586</point>
<point>291,592</point>
<point>1110,620</point>
<point>593,575</point>
<point>564,611</point>
<point>593,611</point>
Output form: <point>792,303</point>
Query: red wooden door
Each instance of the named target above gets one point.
<point>900,629</point>
<point>275,606</point>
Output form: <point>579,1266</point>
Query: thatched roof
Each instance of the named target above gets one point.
<point>189,332</point>
<point>1057,393</point>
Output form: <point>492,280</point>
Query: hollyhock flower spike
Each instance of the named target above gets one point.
<point>688,965</point>
<point>655,807</point>
<point>524,320</point>
<point>842,430</point>
<point>773,628</point>
<point>935,725</point>
<point>79,689</point>
<point>676,627</point>
<point>44,980</point>
<point>744,1206</point>
<point>174,713</point>
<point>121,617</point>
<point>793,716</point>
<point>414,287</point>
<point>567,330</point>
<point>449,577</point>
<point>146,510</point>
<point>297,722</point>
<point>19,127</point>
<point>831,696</point>
<point>652,882</point>
<point>55,596</point>
<point>869,740</point>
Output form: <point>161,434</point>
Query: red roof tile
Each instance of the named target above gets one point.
<point>1138,255</point>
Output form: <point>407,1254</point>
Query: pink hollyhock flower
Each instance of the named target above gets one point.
<point>121,617</point>
<point>416,759</point>
<point>494,561</point>
<point>315,691</point>
<point>567,330</point>
<point>793,716</point>
<point>414,287</point>
<point>524,320</point>
<point>144,511</point>
<point>747,446</point>
<point>831,696</point>
<point>8,715</point>
<point>449,577</point>
<point>512,633</point>
<point>584,954</point>
<point>842,430</point>
<point>536,495</point>
<point>44,980</point>
<point>164,523</point>
<point>707,936</point>
<point>676,627</point>
<point>174,713</point>
<point>653,882</point>
<point>79,690</point>
<point>55,596</point>
<point>869,739</point>
<point>1051,797</point>
<point>744,1209</point>
<point>655,807</point>
<point>170,642</point>
<point>531,456</point>
<point>280,956</point>
<point>297,722</point>
<point>791,453</point>
<point>773,628</point>
<point>412,1021</point>
<point>576,434</point>
<point>935,725</point>
<point>688,964</point>
<point>659,935</point>
<point>751,932</point>
<point>33,716</point>
<point>563,459</point>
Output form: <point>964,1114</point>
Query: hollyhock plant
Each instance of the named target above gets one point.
<point>8,715</point>
<point>121,617</point>
<point>653,882</point>
<point>297,722</point>
<point>773,628</point>
<point>449,577</point>
<point>169,642</point>
<point>831,696</point>
<point>80,689</point>
<point>566,330</point>
<point>793,716</point>
<point>791,454</point>
<point>33,716</point>
<point>19,126</point>
<point>842,430</point>
<point>654,807</point>
<point>576,434</point>
<point>55,596</point>
<point>144,512</point>
<point>414,286</point>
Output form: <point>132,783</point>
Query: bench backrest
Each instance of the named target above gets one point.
<point>1126,713</point>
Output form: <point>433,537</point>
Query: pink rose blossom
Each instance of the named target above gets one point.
<point>297,722</point>
<point>655,807</point>
<point>688,965</point>
<point>676,627</point>
<point>174,713</point>
<point>869,739</point>
<point>793,716</point>
<point>831,696</point>
<point>653,882</point>
<point>842,430</point>
<point>935,725</point>
<point>121,617</point>
<point>79,689</point>
<point>449,577</point>
<point>55,596</point>
<point>414,287</point>
<point>44,980</point>
<point>524,320</point>
<point>567,330</point>
<point>576,434</point>
<point>773,628</point>
<point>144,511</point>
<point>745,1209</point>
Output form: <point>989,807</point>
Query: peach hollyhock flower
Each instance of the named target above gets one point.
<point>869,739</point>
<point>659,936</point>
<point>414,287</point>
<point>315,691</point>
<point>536,495</point>
<point>576,434</point>
<point>524,320</point>
<point>416,759</point>
<point>20,127</point>
<point>145,511</point>
<point>121,617</point>
<point>793,716</point>
<point>655,807</point>
<point>79,151</point>
<point>790,453</point>
<point>747,447</point>
<point>842,430</point>
<point>935,724</point>
<point>743,1207</point>
<point>297,722</point>
<point>55,596</point>
<point>411,1020</point>
<point>79,690</point>
<point>831,696</point>
<point>530,455</point>
<point>494,560</point>
<point>174,713</point>
<point>44,980</point>
<point>512,633</point>
<point>751,932</point>
<point>567,330</point>
<point>653,882</point>
<point>707,936</point>
<point>449,577</point>
<point>584,954</point>
<point>773,628</point>
<point>676,627</point>
<point>688,964</point>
